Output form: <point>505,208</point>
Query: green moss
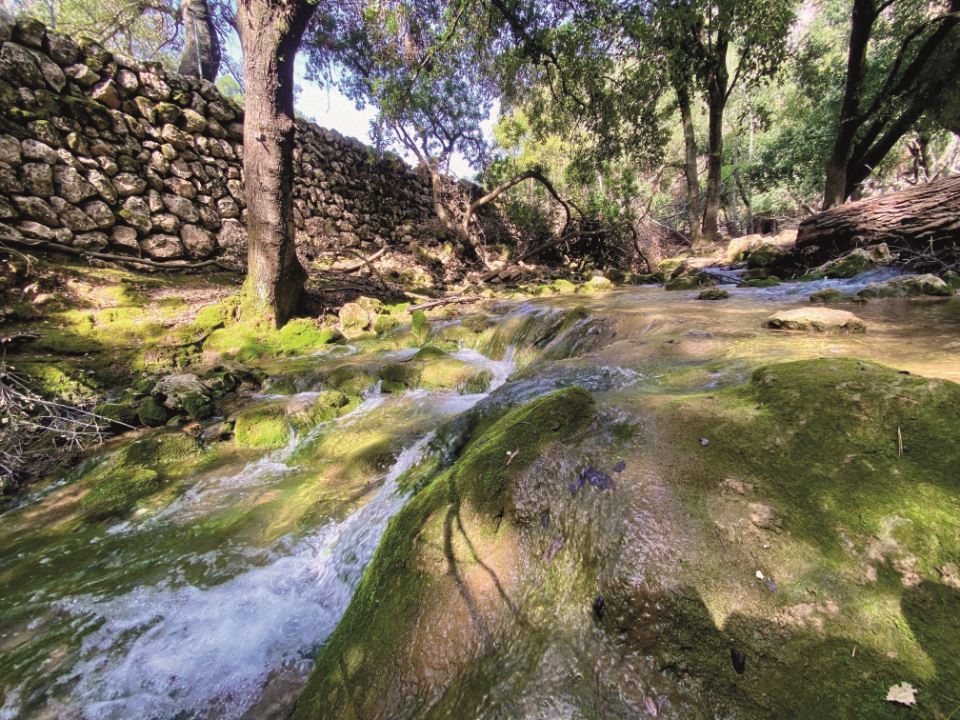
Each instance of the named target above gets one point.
<point>135,471</point>
<point>383,323</point>
<point>769,281</point>
<point>713,294</point>
<point>350,379</point>
<point>262,428</point>
<point>832,295</point>
<point>420,327</point>
<point>151,413</point>
<point>429,352</point>
<point>352,668</point>
<point>397,377</point>
<point>857,462</point>
<point>446,373</point>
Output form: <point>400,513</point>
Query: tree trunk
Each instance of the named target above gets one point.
<point>861,27</point>
<point>920,220</point>
<point>690,162</point>
<point>716,103</point>
<point>201,48</point>
<point>270,33</point>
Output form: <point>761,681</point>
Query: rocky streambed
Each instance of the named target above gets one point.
<point>629,504</point>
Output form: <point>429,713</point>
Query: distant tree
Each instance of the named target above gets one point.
<point>201,47</point>
<point>189,33</point>
<point>270,34</point>
<point>430,68</point>
<point>902,62</point>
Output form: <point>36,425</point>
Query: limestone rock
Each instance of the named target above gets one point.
<point>107,93</point>
<point>162,247</point>
<point>816,319</point>
<point>127,184</point>
<point>91,241</point>
<point>908,286</point>
<point>37,179</point>
<point>9,150</point>
<point>71,185</point>
<point>198,243</point>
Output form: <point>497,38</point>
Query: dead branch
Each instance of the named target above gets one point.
<point>169,265</point>
<point>364,261</point>
<point>457,299</point>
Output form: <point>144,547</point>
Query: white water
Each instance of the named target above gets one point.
<point>163,651</point>
<point>173,650</point>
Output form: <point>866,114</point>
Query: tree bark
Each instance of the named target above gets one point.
<point>716,103</point>
<point>201,49</point>
<point>920,220</point>
<point>690,162</point>
<point>270,33</point>
<point>861,27</point>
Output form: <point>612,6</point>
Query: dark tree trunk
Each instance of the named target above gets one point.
<point>716,103</point>
<point>201,49</point>
<point>861,27</point>
<point>690,162</point>
<point>918,221</point>
<point>270,33</point>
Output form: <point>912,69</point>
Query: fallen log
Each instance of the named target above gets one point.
<point>920,222</point>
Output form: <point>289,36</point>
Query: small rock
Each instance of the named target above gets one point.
<point>816,319</point>
<point>598,607</point>
<point>739,661</point>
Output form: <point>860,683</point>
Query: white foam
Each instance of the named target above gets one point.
<point>162,652</point>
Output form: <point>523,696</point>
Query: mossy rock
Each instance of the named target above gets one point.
<point>952,279</point>
<point>832,295</point>
<point>908,286</point>
<point>420,327</point>
<point>858,260</point>
<point>326,406</point>
<point>67,342</point>
<point>813,319</point>
<point>713,294</point>
<point>151,413</point>
<point>384,323</point>
<point>429,352</point>
<point>397,377</point>
<point>686,277</point>
<point>135,471</point>
<point>449,374</point>
<point>400,591</point>
<point>262,428</point>
<point>350,379</point>
<point>598,283</point>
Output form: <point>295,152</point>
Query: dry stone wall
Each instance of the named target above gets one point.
<point>101,152</point>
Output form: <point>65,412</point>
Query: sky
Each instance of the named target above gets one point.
<point>329,108</point>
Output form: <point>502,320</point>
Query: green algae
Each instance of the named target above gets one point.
<point>263,428</point>
<point>136,471</point>
<point>348,677</point>
<point>856,461</point>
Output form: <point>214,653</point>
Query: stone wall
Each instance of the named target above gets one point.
<point>99,151</point>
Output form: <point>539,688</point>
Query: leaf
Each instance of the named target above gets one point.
<point>904,693</point>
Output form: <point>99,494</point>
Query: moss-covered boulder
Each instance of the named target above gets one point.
<point>397,377</point>
<point>262,428</point>
<point>832,295</point>
<point>713,294</point>
<point>431,550</point>
<point>420,327</point>
<point>813,319</point>
<point>908,286</point>
<point>598,283</point>
<point>447,373</point>
<point>688,277</point>
<point>350,379</point>
<point>135,471</point>
<point>184,393</point>
<point>307,411</point>
<point>856,261</point>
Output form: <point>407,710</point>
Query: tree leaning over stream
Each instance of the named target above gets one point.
<point>270,34</point>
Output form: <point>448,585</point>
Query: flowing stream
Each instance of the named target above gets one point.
<point>211,604</point>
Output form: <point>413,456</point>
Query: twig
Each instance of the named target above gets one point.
<point>445,301</point>
<point>169,265</point>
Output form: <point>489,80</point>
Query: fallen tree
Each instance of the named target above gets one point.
<point>921,224</point>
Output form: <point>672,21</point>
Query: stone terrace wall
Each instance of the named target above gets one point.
<point>101,152</point>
